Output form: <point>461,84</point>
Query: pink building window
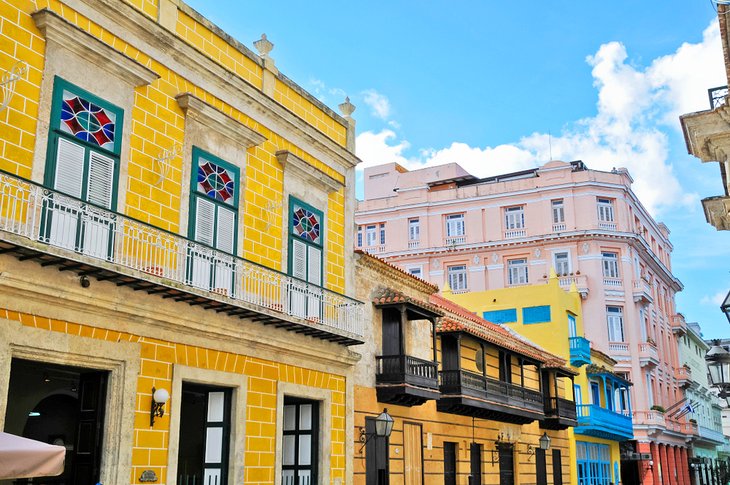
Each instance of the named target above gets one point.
<point>457,277</point>
<point>517,273</point>
<point>615,320</point>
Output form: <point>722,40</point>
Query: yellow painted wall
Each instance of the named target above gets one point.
<point>158,123</point>
<point>157,360</point>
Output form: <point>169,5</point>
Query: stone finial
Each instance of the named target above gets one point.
<point>264,46</point>
<point>553,274</point>
<point>446,289</point>
<point>347,108</point>
<point>573,287</point>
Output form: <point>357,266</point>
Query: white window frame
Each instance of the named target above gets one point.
<point>457,278</point>
<point>414,229</point>
<point>558,210</point>
<point>359,236</point>
<point>371,235</point>
<point>514,217</point>
<point>609,263</point>
<point>566,263</point>
<point>455,225</point>
<point>382,233</point>
<point>418,269</point>
<point>615,323</point>
<point>517,271</point>
<point>605,209</point>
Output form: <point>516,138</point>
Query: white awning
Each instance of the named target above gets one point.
<point>25,458</point>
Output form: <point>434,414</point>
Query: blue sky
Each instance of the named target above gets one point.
<point>482,83</point>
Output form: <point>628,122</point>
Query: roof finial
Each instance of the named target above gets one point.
<point>264,46</point>
<point>347,108</point>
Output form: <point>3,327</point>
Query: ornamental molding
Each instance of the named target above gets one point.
<point>86,46</point>
<point>306,172</point>
<point>716,212</point>
<point>216,120</point>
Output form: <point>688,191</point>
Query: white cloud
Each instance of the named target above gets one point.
<point>633,104</point>
<point>713,300</point>
<point>379,104</point>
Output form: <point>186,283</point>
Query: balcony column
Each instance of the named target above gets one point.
<point>657,465</point>
<point>672,474</point>
<point>678,462</point>
<point>433,337</point>
<point>402,329</point>
<point>665,465</point>
<point>684,463</point>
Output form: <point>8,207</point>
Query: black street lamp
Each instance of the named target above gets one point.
<point>718,366</point>
<point>725,307</point>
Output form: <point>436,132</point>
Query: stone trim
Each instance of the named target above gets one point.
<point>56,29</point>
<point>239,384</point>
<point>324,396</point>
<point>716,212</point>
<point>307,172</point>
<point>218,121</point>
<point>385,268</point>
<point>122,361</point>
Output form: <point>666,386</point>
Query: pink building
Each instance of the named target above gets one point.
<point>445,225</point>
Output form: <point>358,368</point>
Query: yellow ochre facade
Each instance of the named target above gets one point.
<point>175,214</point>
<point>551,317</point>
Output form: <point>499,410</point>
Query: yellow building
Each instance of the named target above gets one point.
<point>175,221</point>
<point>551,318</point>
<point>471,401</point>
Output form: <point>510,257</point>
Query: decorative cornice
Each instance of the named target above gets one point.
<point>716,212</point>
<point>218,121</point>
<point>307,172</point>
<point>58,30</point>
<point>391,271</point>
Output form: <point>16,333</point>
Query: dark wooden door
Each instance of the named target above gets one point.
<point>557,468</point>
<point>449,463</point>
<point>392,344</point>
<point>540,467</point>
<point>506,464</point>
<point>376,456</point>
<point>475,457</point>
<point>88,444</point>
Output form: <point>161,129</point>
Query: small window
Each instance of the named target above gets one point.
<point>359,236</point>
<point>615,323</point>
<point>561,262</point>
<point>300,442</point>
<point>572,328</point>
<point>514,218</point>
<point>382,233</point>
<point>518,274</point>
<point>457,277</point>
<point>605,210</point>
<point>455,225</point>
<point>414,229</point>
<point>416,271</point>
<point>371,234</point>
<point>558,211</point>
<point>610,265</point>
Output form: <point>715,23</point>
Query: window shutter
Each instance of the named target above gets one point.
<point>225,230</point>
<point>101,180</point>
<point>314,263</point>
<point>299,259</point>
<point>204,218</point>
<point>69,177</point>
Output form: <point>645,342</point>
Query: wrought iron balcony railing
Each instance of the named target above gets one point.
<point>717,96</point>
<point>90,233</point>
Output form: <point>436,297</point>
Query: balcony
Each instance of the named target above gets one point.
<point>580,351</point>
<point>648,354</point>
<point>599,422</point>
<point>652,421</point>
<point>717,96</point>
<point>619,351</point>
<point>470,394</point>
<point>581,282</point>
<point>559,227</point>
<point>454,240</point>
<point>415,244</point>
<point>514,233</point>
<point>56,230</point>
<point>642,292</point>
<point>709,436</point>
<point>406,381</point>
<point>678,323</point>
<point>613,283</point>
<point>559,414</point>
<point>377,249</point>
<point>684,376</point>
<point>607,226</point>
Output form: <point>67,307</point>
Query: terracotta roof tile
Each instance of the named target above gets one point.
<point>386,296</point>
<point>398,268</point>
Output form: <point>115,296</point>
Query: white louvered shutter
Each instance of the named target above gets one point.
<point>204,221</point>
<point>225,230</point>
<point>101,180</point>
<point>299,259</point>
<point>69,177</point>
<point>314,266</point>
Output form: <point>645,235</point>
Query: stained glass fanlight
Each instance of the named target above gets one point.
<point>306,224</point>
<point>87,121</point>
<point>216,182</point>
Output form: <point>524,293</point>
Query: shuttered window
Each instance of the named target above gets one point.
<point>306,240</point>
<point>83,162</point>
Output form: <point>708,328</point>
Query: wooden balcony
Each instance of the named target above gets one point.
<point>53,229</point>
<point>559,414</point>
<point>405,380</point>
<point>470,394</point>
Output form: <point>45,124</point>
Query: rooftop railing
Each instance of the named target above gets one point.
<point>84,230</point>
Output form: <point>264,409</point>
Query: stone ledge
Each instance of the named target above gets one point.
<point>307,172</point>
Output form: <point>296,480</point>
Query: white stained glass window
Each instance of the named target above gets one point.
<point>457,277</point>
<point>371,235</point>
<point>518,274</point>
<point>610,265</point>
<point>514,217</point>
<point>455,225</point>
<point>558,211</point>
<point>414,229</point>
<point>562,262</point>
<point>615,323</point>
<point>605,210</point>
